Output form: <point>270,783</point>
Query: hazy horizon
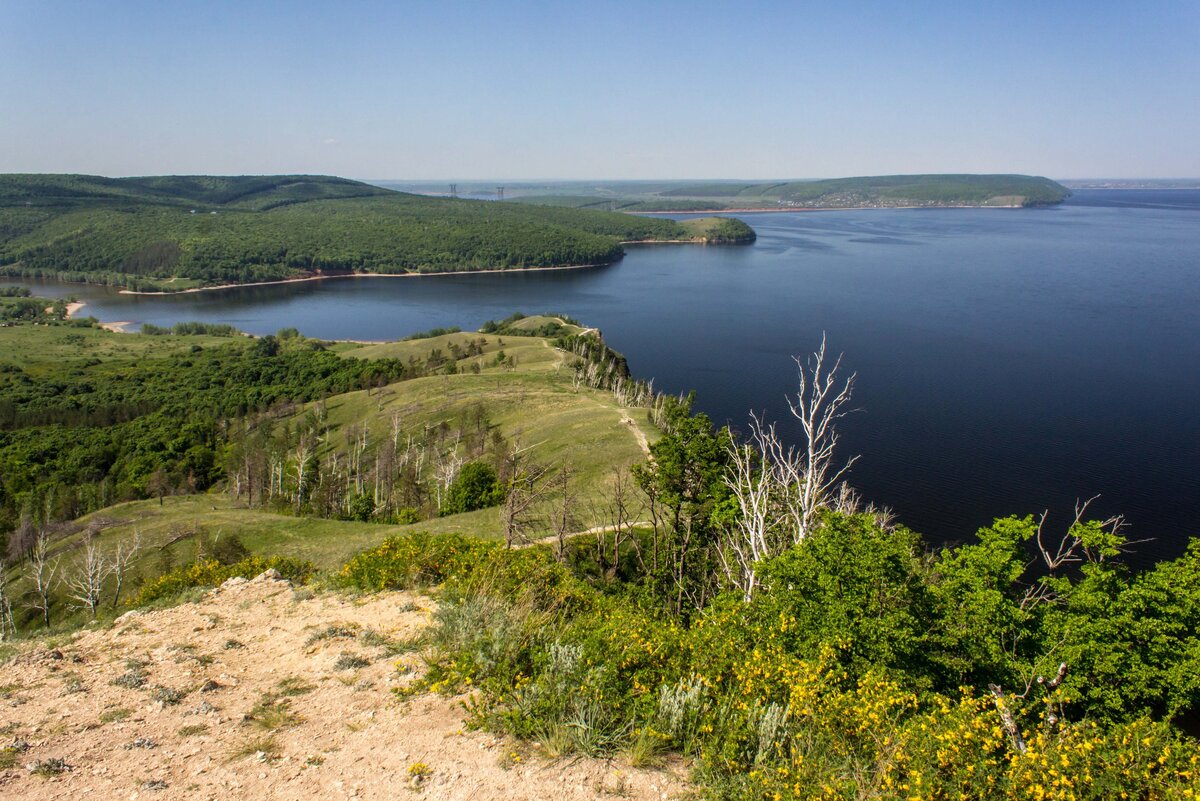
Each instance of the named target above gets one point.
<point>615,92</point>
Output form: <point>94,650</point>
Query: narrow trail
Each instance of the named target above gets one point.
<point>553,538</point>
<point>638,434</point>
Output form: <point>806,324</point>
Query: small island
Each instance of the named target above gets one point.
<point>187,233</point>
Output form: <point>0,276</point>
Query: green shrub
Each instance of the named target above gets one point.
<point>833,682</point>
<point>210,573</point>
<point>417,560</point>
<point>475,487</point>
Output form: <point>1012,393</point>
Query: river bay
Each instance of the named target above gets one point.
<point>1008,361</point>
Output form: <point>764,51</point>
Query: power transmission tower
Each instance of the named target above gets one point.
<point>453,190</point>
<point>500,193</point>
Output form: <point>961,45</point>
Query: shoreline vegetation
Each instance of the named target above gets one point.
<point>328,276</point>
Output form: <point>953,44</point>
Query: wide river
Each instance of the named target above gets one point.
<point>1008,361</point>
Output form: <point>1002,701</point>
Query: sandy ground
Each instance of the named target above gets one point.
<point>305,278</point>
<point>119,326</point>
<point>349,736</point>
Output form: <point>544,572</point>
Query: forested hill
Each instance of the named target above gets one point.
<point>882,191</point>
<point>181,232</point>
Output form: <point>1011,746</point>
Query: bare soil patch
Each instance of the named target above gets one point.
<point>257,691</point>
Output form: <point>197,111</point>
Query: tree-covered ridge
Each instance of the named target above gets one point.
<point>242,191</point>
<point>950,190</point>
<point>176,232</point>
<point>882,191</point>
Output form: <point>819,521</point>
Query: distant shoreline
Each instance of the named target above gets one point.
<point>304,278</point>
<point>805,210</point>
<point>73,308</point>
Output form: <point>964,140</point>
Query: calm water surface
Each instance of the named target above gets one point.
<point>1008,360</point>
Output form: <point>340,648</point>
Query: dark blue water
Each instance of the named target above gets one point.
<point>1008,361</point>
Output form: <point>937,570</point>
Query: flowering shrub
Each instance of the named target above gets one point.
<point>418,560</point>
<point>779,698</point>
<point>211,572</point>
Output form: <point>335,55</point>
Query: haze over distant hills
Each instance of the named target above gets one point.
<point>886,191</point>
<point>1132,183</point>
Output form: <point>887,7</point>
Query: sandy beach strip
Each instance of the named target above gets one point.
<point>305,278</point>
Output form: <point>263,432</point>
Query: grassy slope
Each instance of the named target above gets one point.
<point>532,402</point>
<point>149,233</point>
<point>48,351</point>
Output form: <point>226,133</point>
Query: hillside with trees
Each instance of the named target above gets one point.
<point>881,191</point>
<point>172,233</point>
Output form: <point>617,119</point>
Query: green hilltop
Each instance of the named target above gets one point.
<point>181,232</point>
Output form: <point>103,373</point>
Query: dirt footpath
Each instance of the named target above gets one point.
<point>259,692</point>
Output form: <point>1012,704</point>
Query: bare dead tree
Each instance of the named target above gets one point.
<point>306,446</point>
<point>780,489</point>
<point>1007,720</point>
<point>86,581</point>
<point>617,509</point>
<point>119,561</point>
<point>446,470</point>
<point>23,537</point>
<point>1083,541</point>
<point>819,404</point>
<point>762,476</point>
<point>527,488</point>
<point>564,512</point>
<point>43,574</point>
<point>1073,546</point>
<point>8,626</point>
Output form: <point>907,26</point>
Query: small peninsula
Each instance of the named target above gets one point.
<point>178,233</point>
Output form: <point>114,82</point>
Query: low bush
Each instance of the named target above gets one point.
<point>211,573</point>
<point>802,692</point>
<point>417,560</point>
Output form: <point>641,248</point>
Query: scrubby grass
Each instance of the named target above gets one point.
<point>540,409</point>
<point>272,712</point>
<point>292,686</point>
<point>186,526</point>
<point>46,352</point>
<point>530,353</point>
<point>266,745</point>
<point>115,715</point>
<point>350,661</point>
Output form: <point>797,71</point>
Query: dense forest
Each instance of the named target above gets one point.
<point>172,233</point>
<point>92,428</point>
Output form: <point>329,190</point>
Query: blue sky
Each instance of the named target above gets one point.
<point>603,90</point>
